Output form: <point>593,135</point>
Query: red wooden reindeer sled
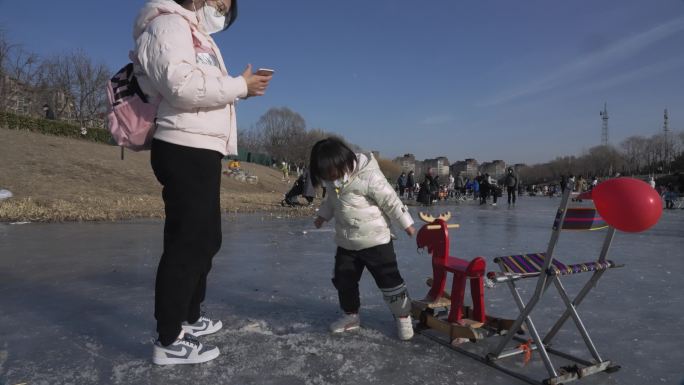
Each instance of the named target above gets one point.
<point>462,322</point>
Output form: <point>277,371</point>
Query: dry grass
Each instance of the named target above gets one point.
<point>60,179</point>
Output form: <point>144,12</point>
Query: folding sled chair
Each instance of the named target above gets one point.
<point>548,270</point>
<point>464,323</point>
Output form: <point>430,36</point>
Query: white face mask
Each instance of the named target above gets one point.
<point>211,20</point>
<point>342,181</point>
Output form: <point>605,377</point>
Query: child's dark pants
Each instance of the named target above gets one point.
<point>192,232</point>
<point>382,264</point>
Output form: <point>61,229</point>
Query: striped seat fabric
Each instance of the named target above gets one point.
<point>581,218</point>
<point>532,263</point>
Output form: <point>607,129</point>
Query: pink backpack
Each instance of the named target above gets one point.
<point>132,114</point>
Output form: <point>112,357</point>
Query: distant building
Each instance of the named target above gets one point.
<point>496,168</point>
<point>440,166</point>
<point>419,171</point>
<point>466,168</point>
<point>406,163</point>
<point>519,170</point>
<point>24,99</point>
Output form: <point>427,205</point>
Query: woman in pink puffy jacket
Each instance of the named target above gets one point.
<point>177,59</point>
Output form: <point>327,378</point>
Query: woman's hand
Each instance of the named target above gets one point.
<point>319,221</point>
<point>410,230</point>
<point>256,84</point>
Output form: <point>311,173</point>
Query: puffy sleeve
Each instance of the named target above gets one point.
<point>167,55</point>
<point>386,198</point>
<point>327,209</point>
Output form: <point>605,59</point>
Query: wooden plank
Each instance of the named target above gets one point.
<point>499,324</point>
<point>452,330</point>
<point>425,304</point>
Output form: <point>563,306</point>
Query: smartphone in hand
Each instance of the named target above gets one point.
<point>265,72</point>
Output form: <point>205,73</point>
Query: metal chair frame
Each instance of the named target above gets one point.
<point>545,279</point>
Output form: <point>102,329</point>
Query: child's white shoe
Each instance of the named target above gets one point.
<point>346,323</point>
<point>404,328</point>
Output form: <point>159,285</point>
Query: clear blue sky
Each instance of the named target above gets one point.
<point>520,80</point>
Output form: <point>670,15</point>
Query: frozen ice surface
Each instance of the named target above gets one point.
<point>76,303</point>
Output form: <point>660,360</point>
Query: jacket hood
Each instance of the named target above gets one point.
<point>154,8</point>
<point>366,163</point>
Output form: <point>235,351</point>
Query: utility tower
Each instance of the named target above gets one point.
<point>604,128</point>
<point>666,124</point>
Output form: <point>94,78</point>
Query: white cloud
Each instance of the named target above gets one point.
<point>618,51</point>
<point>437,120</point>
<point>639,73</point>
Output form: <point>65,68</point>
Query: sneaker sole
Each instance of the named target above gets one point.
<point>217,326</point>
<point>206,357</point>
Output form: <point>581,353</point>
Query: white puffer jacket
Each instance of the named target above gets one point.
<point>197,108</point>
<point>362,208</point>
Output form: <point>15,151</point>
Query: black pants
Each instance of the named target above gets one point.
<point>511,193</point>
<point>484,193</point>
<point>192,232</point>
<point>349,264</point>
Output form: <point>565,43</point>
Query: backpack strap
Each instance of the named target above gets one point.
<point>124,84</point>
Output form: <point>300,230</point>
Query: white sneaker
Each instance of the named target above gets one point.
<point>202,327</point>
<point>186,350</point>
<point>404,328</point>
<point>346,323</point>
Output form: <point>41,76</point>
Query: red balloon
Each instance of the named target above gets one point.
<point>628,204</point>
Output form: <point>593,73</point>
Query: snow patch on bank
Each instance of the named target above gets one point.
<point>258,327</point>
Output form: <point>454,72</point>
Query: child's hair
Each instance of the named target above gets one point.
<point>330,160</point>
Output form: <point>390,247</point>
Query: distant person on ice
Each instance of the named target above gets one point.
<point>303,187</point>
<point>401,184</point>
<point>511,185</point>
<point>178,59</point>
<point>410,184</point>
<point>362,203</point>
<point>428,189</point>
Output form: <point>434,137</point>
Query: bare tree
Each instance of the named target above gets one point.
<point>678,162</point>
<point>56,80</point>
<point>634,149</point>
<point>18,74</point>
<point>251,140</point>
<point>390,169</point>
<point>79,82</point>
<point>282,130</point>
<point>605,160</point>
<point>282,133</point>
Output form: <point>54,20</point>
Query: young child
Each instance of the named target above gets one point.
<point>362,203</point>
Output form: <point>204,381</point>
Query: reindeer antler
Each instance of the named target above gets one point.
<point>425,217</point>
